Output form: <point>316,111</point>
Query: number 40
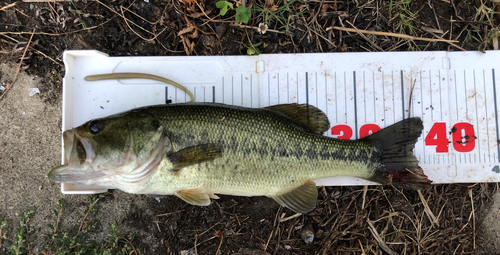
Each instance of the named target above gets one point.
<point>463,137</point>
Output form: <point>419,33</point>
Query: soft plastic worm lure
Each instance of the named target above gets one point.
<point>121,76</point>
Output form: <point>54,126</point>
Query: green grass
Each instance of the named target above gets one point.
<point>400,13</point>
<point>72,240</point>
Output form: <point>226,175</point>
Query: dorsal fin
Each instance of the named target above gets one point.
<point>308,115</point>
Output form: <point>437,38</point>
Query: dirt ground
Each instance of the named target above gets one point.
<point>446,219</point>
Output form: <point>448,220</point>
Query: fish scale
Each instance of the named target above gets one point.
<point>268,136</point>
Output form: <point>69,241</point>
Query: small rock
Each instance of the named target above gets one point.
<point>307,234</point>
<point>287,247</point>
<point>2,88</point>
<point>221,29</point>
<point>33,91</point>
<point>157,199</point>
<point>188,252</point>
<point>208,40</point>
<point>246,251</point>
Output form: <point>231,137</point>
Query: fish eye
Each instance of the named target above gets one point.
<point>95,126</point>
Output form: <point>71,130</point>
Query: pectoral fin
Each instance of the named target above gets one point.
<point>301,199</point>
<point>310,116</point>
<point>197,196</point>
<point>194,155</point>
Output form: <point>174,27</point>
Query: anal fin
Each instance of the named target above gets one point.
<point>301,199</point>
<point>197,196</point>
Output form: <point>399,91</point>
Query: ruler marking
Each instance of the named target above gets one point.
<point>307,93</point>
<point>402,97</point>
<point>486,113</point>
<point>466,106</point>
<point>456,96</point>
<point>374,98</point>
<point>355,105</point>
<point>251,90</point>
<point>412,87</point>
<point>166,95</point>
<point>241,90</point>
<point>288,88</point>
<point>496,109</point>
<point>336,106</point>
<point>269,89</point>
<point>477,119</point>
<point>440,96</point>
<point>297,83</point>
<point>213,94</point>
<point>345,97</point>
<point>383,95</point>
<point>326,95</point>
<point>430,95</point>
<point>279,86</point>
<point>364,94</point>
<point>393,95</point>
<point>422,104</point>
<point>317,101</point>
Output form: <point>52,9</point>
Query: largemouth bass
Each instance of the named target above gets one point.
<point>195,151</point>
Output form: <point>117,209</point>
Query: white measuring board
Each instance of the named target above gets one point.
<point>454,93</point>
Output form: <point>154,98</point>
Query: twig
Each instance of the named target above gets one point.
<point>126,240</point>
<point>45,1</point>
<point>9,85</point>
<point>365,190</point>
<point>60,34</point>
<point>411,97</point>
<point>7,6</point>
<point>220,244</point>
<point>450,43</point>
<point>473,220</point>
<point>195,244</point>
<point>166,214</point>
<point>379,239</point>
<point>194,25</point>
<point>255,28</point>
<point>427,210</point>
<point>86,215</point>
<point>274,225</point>
<point>408,37</point>
<point>290,217</point>
<point>140,36</point>
<point>366,38</point>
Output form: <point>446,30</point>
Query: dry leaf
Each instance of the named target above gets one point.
<point>269,3</point>
<point>188,3</point>
<point>188,45</point>
<point>186,30</point>
<point>324,8</point>
<point>274,8</point>
<point>238,3</point>
<point>194,34</point>
<point>199,14</point>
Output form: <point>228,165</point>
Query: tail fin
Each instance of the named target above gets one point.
<point>400,165</point>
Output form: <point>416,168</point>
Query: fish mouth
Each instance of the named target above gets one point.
<point>127,168</point>
<point>80,153</point>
